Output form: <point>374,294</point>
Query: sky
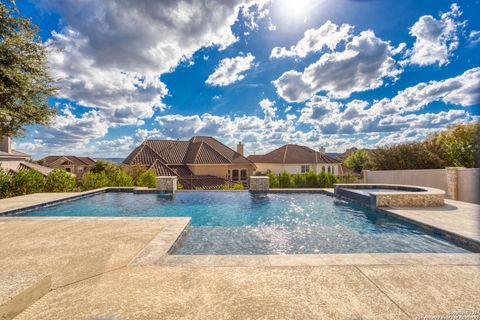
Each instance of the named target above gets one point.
<point>332,73</point>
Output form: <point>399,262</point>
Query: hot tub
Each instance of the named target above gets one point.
<point>391,195</point>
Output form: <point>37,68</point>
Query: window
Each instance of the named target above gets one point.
<point>305,168</point>
<point>68,169</point>
<point>323,168</point>
<point>328,169</point>
<point>229,175</point>
<point>243,175</point>
<point>235,174</point>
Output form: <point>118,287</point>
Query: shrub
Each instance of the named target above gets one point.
<point>306,180</point>
<point>92,180</point>
<point>4,183</point>
<point>285,180</point>
<point>60,180</point>
<point>106,166</point>
<point>26,181</point>
<point>274,181</point>
<point>120,178</point>
<point>146,179</point>
<point>457,146</point>
<point>403,157</point>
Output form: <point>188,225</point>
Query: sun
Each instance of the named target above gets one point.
<point>296,9</point>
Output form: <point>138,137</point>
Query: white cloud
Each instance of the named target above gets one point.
<point>230,70</point>
<point>436,39</point>
<point>461,90</point>
<point>329,35</point>
<point>113,52</point>
<point>474,37</point>
<point>363,65</point>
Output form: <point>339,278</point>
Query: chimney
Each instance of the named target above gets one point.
<point>321,150</point>
<point>240,148</point>
<point>6,144</point>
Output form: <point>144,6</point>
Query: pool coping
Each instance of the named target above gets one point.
<point>158,251</point>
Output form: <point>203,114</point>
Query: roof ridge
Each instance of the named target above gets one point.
<point>164,164</point>
<point>159,157</point>
<point>211,147</point>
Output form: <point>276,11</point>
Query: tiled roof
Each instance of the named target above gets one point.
<point>198,150</point>
<point>71,160</point>
<point>293,154</point>
<point>161,169</point>
<point>33,166</point>
<point>229,154</point>
<point>204,182</point>
<point>14,154</point>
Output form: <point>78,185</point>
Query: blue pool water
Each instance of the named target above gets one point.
<point>278,223</point>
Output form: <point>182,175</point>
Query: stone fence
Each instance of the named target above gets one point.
<point>459,183</point>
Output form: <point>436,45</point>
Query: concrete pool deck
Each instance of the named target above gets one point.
<point>117,268</point>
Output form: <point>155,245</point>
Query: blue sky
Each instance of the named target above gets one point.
<point>339,74</point>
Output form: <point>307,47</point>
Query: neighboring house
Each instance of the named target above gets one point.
<point>13,160</point>
<point>201,162</point>
<point>292,158</point>
<point>72,164</point>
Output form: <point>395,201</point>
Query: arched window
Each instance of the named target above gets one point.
<point>235,174</point>
<point>243,175</point>
<point>229,174</point>
<point>323,168</point>
<point>328,169</point>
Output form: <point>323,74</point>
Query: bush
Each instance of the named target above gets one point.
<point>458,146</point>
<point>4,183</point>
<point>106,166</point>
<point>236,186</point>
<point>26,181</point>
<point>92,180</point>
<point>120,178</point>
<point>306,180</point>
<point>404,157</point>
<point>60,180</point>
<point>146,179</point>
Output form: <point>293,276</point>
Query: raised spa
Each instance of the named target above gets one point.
<point>391,195</point>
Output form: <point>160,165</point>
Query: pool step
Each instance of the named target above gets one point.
<point>20,290</point>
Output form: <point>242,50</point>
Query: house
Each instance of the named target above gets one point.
<point>13,160</point>
<point>201,162</point>
<point>292,158</point>
<point>72,164</point>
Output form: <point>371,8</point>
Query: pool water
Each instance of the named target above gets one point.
<point>277,223</point>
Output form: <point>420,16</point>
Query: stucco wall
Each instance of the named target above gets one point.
<point>10,164</point>
<point>214,170</point>
<point>469,184</point>
<point>435,178</point>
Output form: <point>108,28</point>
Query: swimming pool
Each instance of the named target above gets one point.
<point>275,223</point>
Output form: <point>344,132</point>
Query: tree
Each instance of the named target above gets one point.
<point>357,160</point>
<point>60,180</point>
<point>458,146</point>
<point>26,181</point>
<point>25,84</point>
<point>403,157</point>
<point>146,179</point>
